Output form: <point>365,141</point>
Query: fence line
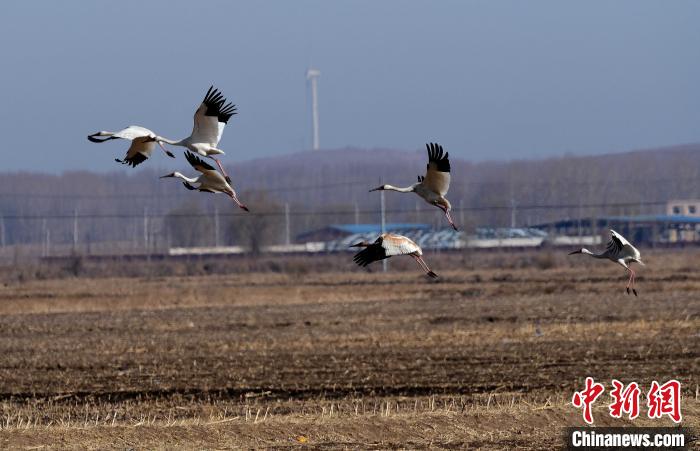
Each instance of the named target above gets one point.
<point>281,211</point>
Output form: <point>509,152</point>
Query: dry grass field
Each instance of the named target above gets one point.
<point>487,356</point>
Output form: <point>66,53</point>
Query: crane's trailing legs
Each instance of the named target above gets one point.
<point>221,168</point>
<point>424,265</point>
<point>449,217</point>
<point>238,202</point>
<point>631,281</point>
<point>167,152</point>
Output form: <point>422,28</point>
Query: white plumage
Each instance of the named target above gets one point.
<point>210,180</point>
<point>620,251</point>
<point>210,119</point>
<point>432,187</point>
<point>389,245</point>
<point>143,141</point>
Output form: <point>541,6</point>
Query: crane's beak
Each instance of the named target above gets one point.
<point>360,244</point>
<point>166,175</point>
<point>576,252</point>
<point>379,188</point>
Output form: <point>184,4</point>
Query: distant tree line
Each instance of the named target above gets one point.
<point>135,208</point>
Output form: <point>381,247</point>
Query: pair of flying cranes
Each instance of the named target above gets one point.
<point>211,118</point>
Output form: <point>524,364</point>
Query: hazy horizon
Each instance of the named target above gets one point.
<point>489,81</point>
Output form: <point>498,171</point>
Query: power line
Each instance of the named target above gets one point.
<point>454,184</point>
<point>353,212</point>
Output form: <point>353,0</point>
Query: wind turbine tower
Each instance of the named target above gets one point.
<point>312,76</point>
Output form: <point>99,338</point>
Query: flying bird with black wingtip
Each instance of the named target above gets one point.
<point>620,251</point>
<point>210,119</point>
<point>143,141</point>
<point>434,185</point>
<point>389,245</point>
<point>210,180</point>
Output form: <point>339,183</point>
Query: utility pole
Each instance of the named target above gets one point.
<point>357,214</point>
<point>75,229</point>
<point>2,231</point>
<point>580,214</point>
<point>288,238</point>
<point>216,226</point>
<point>512,213</point>
<point>383,213</point>
<point>461,213</point>
<point>145,228</point>
<point>43,232</point>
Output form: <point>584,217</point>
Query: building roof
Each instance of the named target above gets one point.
<point>377,228</point>
<point>655,218</point>
<point>602,220</point>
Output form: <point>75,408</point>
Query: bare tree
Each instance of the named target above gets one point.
<point>262,226</point>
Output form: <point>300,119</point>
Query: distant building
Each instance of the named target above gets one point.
<point>340,231</point>
<point>641,229</point>
<point>683,207</point>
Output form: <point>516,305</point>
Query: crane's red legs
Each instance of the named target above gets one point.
<point>218,163</point>
<point>449,219</point>
<point>167,152</point>
<point>630,282</point>
<point>425,267</point>
<point>238,202</point>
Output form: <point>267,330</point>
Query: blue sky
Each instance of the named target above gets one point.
<point>487,79</point>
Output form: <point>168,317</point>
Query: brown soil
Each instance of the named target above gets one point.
<point>483,357</point>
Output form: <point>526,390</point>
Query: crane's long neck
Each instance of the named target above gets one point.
<point>187,179</point>
<point>587,252</point>
<point>172,142</point>
<point>408,189</point>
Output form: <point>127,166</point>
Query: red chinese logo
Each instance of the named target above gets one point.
<point>625,400</point>
<point>661,399</point>
<point>665,400</point>
<point>585,398</point>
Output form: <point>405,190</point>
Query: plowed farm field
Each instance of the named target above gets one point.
<point>483,357</point>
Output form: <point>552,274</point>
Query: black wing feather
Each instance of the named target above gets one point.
<point>133,161</point>
<point>614,245</point>
<point>437,156</point>
<point>195,161</point>
<point>217,106</point>
<point>372,253</point>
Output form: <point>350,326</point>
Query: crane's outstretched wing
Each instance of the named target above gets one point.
<point>198,163</point>
<point>437,177</point>
<point>398,245</point>
<point>620,246</point>
<point>372,253</point>
<point>139,151</point>
<point>131,132</point>
<point>614,245</point>
<point>619,238</point>
<point>211,117</point>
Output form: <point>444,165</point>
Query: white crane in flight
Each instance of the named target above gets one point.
<point>434,185</point>
<point>143,141</point>
<point>210,119</point>
<point>620,251</point>
<point>389,245</point>
<point>209,182</point>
